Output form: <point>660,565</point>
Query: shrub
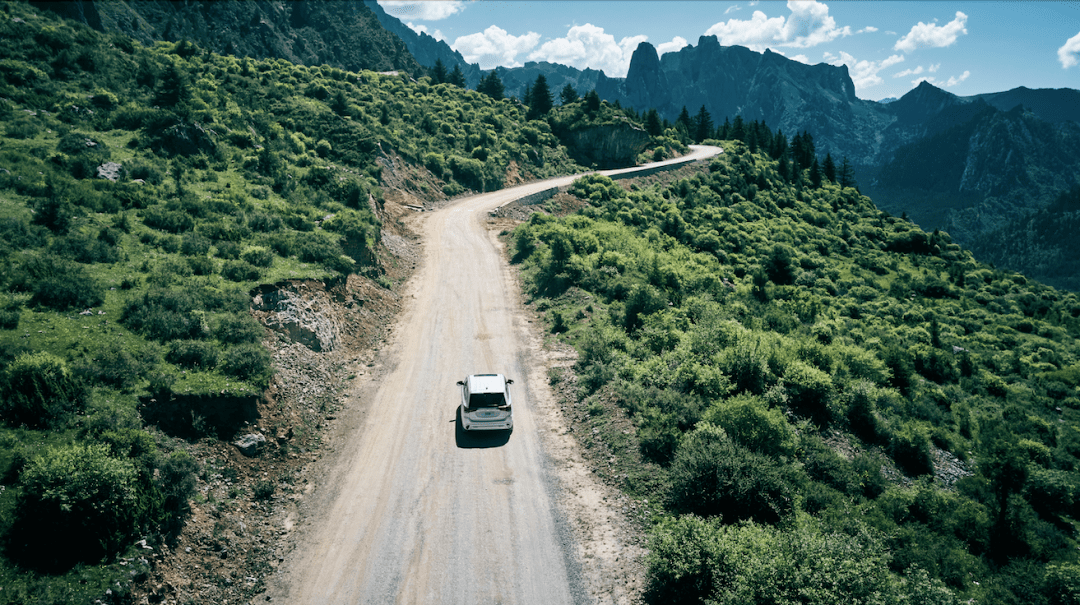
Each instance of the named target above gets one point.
<point>58,284</point>
<point>201,265</point>
<point>76,495</point>
<point>694,560</point>
<point>249,362</point>
<point>228,250</point>
<point>238,329</point>
<point>749,421</point>
<point>238,271</point>
<point>810,392</point>
<point>165,315</point>
<point>712,476</point>
<point>910,449</point>
<point>195,354</point>
<point>194,244</point>
<point>259,257</point>
<point>172,221</point>
<point>39,391</point>
<point>120,365</point>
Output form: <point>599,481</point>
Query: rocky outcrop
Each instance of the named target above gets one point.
<point>300,319</point>
<point>612,145</point>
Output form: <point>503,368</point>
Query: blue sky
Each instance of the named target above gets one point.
<point>889,47</point>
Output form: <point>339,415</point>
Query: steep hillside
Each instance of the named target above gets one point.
<point>196,250</point>
<point>340,33</point>
<point>426,49</point>
<point>809,400</point>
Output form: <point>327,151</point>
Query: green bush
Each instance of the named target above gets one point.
<point>749,421</point>
<point>121,365</point>
<point>712,476</point>
<point>165,315</point>
<point>239,271</point>
<point>910,449</point>
<point>238,328</point>
<point>194,354</point>
<point>810,393</point>
<point>76,495</point>
<point>57,283</point>
<point>259,257</point>
<point>249,362</point>
<point>39,391</point>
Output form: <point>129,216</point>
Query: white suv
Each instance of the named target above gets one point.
<point>485,403</point>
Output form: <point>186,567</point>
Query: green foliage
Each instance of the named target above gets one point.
<point>749,421</point>
<point>81,496</point>
<point>712,476</point>
<point>39,391</point>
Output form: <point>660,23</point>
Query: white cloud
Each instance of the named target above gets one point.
<point>931,35</point>
<point>864,74</point>
<point>589,46</point>
<point>869,29</point>
<point>494,47</point>
<point>801,59</point>
<point>423,11</point>
<point>933,68</point>
<point>423,29</point>
<point>808,25</point>
<point>1069,54</point>
<point>677,43</point>
<point>732,8</point>
<point>909,72</point>
<point>953,81</point>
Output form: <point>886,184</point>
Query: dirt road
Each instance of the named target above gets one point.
<point>412,511</point>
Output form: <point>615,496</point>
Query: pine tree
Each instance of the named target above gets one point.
<point>829,168</point>
<point>703,125</point>
<point>491,86</point>
<point>568,94</point>
<point>684,119</point>
<point>652,123</point>
<point>592,101</point>
<point>738,129</point>
<point>438,73</point>
<point>847,174</point>
<point>457,77</point>
<point>815,174</point>
<point>540,102</point>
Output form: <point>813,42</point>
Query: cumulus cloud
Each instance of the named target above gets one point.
<point>909,72</point>
<point>590,46</point>
<point>869,29</point>
<point>677,43</point>
<point>953,81</point>
<point>932,35</point>
<point>864,74</point>
<point>494,47</point>
<point>809,24</point>
<point>423,11</point>
<point>423,29</point>
<point>1069,54</point>
<point>801,59</point>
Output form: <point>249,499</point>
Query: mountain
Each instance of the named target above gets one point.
<point>425,48</point>
<point>341,33</point>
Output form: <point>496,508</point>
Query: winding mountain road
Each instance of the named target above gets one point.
<point>414,511</point>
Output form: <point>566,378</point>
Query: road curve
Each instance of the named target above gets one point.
<point>416,512</point>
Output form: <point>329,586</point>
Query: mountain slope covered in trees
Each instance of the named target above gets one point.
<point>815,401</point>
<point>340,33</point>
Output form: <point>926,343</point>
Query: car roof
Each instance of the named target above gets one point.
<point>486,383</point>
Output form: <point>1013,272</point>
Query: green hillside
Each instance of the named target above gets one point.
<point>813,401</point>
<point>145,193</point>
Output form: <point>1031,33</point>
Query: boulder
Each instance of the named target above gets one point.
<point>249,444</point>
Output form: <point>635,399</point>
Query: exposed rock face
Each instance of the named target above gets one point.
<point>300,319</point>
<point>607,145</point>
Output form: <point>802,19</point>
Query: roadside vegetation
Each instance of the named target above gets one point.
<point>145,193</point>
<point>827,404</point>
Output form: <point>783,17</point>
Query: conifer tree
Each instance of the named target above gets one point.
<point>847,174</point>
<point>815,174</point>
<point>540,102</point>
<point>568,94</point>
<point>829,168</point>
<point>491,86</point>
<point>652,123</point>
<point>592,101</point>
<point>703,125</point>
<point>438,72</point>
<point>457,77</point>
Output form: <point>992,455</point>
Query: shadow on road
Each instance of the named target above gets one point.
<point>478,439</point>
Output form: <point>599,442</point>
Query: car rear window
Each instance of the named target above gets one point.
<point>486,400</point>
